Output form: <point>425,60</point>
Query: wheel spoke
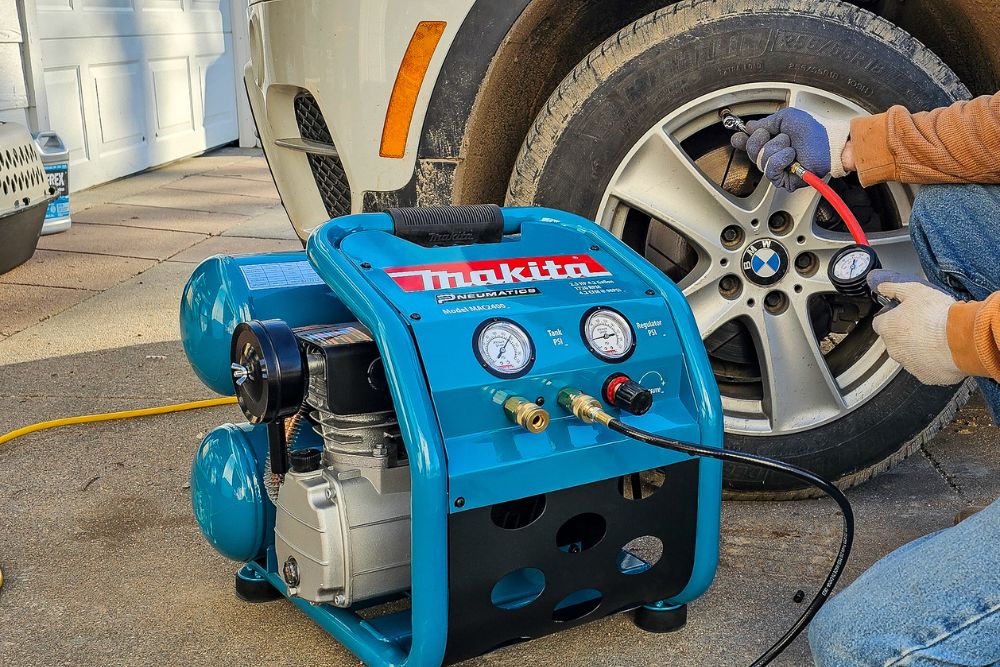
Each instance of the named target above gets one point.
<point>662,181</point>
<point>798,384</point>
<point>768,199</point>
<point>820,106</point>
<point>711,310</point>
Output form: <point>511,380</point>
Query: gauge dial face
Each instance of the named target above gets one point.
<point>504,348</point>
<point>852,265</point>
<point>608,334</point>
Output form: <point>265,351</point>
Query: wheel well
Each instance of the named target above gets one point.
<point>551,36</point>
<point>545,43</point>
<point>965,34</point>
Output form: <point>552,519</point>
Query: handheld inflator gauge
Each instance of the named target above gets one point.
<point>478,425</point>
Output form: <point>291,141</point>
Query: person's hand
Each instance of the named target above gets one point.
<point>791,135</point>
<point>915,332</point>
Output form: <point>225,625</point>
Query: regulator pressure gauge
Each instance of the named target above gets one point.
<point>849,270</point>
<point>504,348</point>
<point>608,334</point>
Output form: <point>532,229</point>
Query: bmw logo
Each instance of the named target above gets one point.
<point>765,262</point>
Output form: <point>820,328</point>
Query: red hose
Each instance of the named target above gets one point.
<point>837,203</point>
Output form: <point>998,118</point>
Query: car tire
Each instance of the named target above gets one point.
<point>687,50</point>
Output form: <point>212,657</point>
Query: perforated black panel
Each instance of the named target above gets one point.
<point>328,171</point>
<point>21,171</point>
<point>576,543</point>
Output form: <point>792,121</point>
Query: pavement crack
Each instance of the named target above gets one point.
<point>942,472</point>
<point>89,482</point>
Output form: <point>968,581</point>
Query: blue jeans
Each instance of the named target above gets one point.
<point>936,601</point>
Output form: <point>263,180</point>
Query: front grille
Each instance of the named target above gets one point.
<point>327,170</point>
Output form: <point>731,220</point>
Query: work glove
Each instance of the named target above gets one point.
<point>915,332</point>
<point>791,135</point>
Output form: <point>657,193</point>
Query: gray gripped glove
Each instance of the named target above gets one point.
<point>915,332</point>
<point>792,135</point>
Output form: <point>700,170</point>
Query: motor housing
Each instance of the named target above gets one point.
<point>339,540</point>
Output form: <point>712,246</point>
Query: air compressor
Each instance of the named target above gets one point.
<point>467,427</point>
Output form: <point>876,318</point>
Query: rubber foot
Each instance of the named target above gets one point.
<point>252,587</point>
<point>661,620</point>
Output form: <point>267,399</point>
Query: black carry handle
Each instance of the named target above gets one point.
<point>448,225</point>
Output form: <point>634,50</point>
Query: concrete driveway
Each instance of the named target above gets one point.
<point>103,562</point>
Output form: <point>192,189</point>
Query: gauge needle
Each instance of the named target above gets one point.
<point>503,348</point>
<point>606,336</point>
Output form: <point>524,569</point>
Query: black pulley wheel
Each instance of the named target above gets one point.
<point>269,372</point>
<point>802,374</point>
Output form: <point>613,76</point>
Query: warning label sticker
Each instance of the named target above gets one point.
<point>280,274</point>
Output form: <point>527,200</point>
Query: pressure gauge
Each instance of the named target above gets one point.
<point>849,270</point>
<point>608,334</point>
<point>504,348</point>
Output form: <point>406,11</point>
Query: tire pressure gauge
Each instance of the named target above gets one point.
<point>503,348</point>
<point>607,334</point>
<point>849,270</point>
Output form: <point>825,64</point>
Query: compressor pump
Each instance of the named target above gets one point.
<point>458,423</point>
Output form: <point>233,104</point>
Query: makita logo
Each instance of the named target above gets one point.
<point>453,275</point>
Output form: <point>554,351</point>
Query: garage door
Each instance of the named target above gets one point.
<point>135,83</point>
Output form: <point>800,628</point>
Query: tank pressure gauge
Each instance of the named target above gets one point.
<point>849,270</point>
<point>504,348</point>
<point>607,334</point>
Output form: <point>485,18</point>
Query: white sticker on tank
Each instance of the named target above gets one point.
<point>281,274</point>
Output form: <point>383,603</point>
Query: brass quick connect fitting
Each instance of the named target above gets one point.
<point>585,408</point>
<point>526,414</point>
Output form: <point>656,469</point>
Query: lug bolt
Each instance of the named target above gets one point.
<point>775,302</point>
<point>732,236</point>
<point>806,264</point>
<point>730,287</point>
<point>780,222</point>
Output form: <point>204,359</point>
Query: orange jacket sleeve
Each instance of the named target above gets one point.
<point>974,336</point>
<point>956,144</point>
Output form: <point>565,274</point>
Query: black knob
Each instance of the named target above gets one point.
<point>627,394</point>
<point>304,460</point>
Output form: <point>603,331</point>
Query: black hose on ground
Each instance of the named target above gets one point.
<point>777,466</point>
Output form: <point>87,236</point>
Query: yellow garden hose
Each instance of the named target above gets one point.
<point>110,416</point>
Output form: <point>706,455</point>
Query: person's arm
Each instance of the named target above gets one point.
<point>956,144</point>
<point>937,339</point>
<point>974,336</point>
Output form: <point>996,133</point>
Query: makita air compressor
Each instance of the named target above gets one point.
<point>501,421</point>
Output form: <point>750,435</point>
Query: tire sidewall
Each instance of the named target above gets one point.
<point>666,60</point>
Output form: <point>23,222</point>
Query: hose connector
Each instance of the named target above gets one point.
<point>526,414</point>
<point>585,408</point>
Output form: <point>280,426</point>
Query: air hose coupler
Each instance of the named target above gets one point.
<point>526,414</point>
<point>585,408</point>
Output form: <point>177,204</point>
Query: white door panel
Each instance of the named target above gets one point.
<point>136,83</point>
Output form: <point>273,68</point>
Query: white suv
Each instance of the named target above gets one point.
<point>610,110</point>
